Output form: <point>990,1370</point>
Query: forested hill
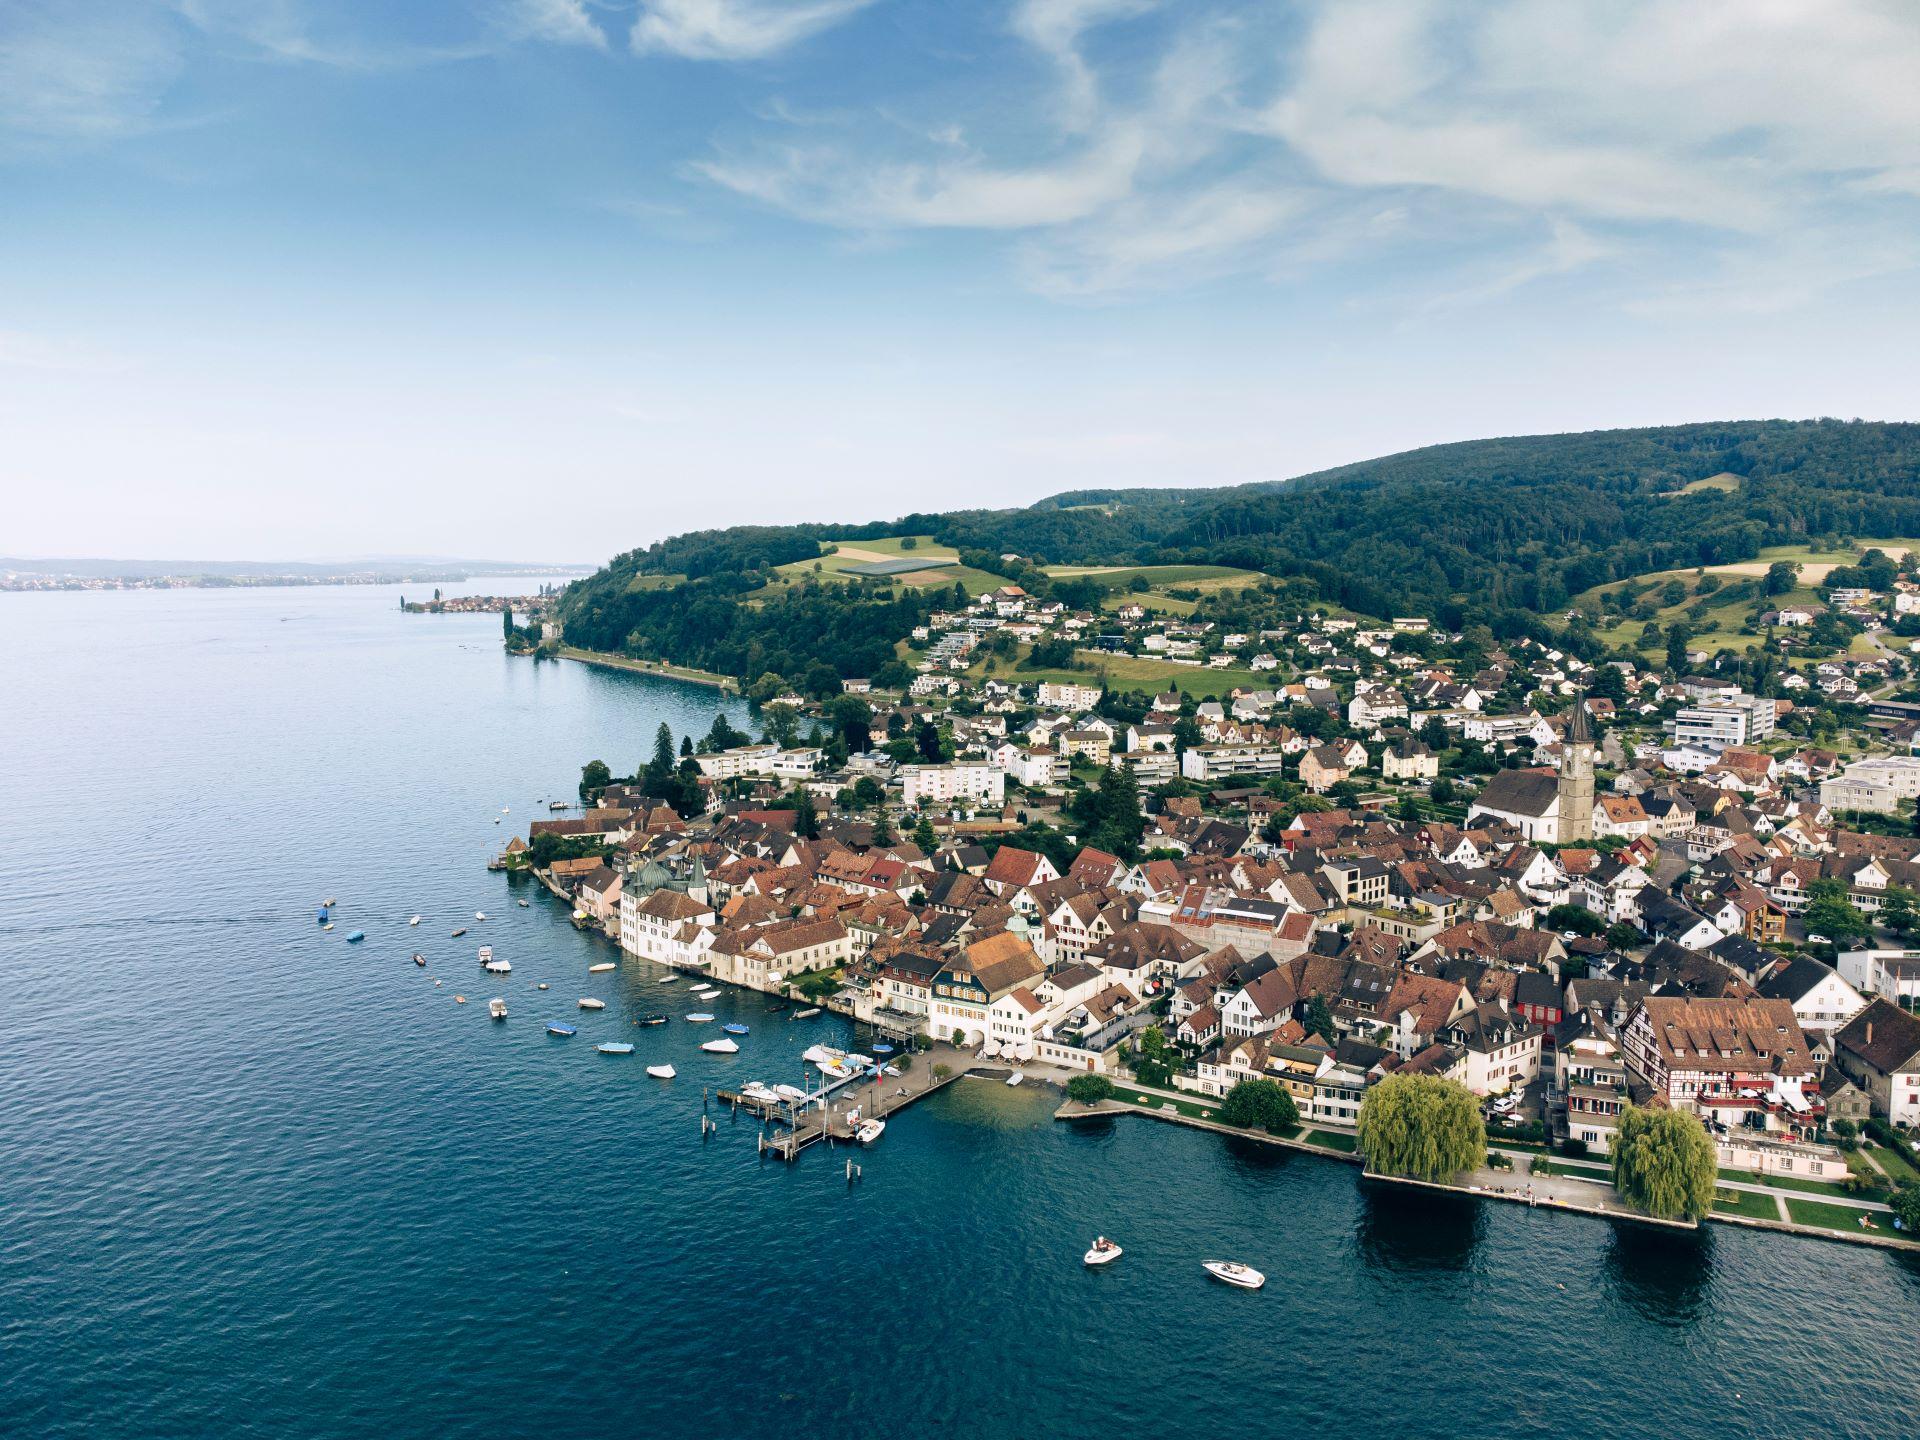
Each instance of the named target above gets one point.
<point>1480,529</point>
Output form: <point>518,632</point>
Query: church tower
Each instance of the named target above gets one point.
<point>1576,778</point>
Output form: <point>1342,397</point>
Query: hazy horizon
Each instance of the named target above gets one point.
<point>482,276</point>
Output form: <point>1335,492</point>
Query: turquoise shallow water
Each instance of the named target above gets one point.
<point>256,1181</point>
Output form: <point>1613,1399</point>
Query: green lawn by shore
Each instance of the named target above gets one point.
<point>1745,1203</point>
<point>1837,1217</point>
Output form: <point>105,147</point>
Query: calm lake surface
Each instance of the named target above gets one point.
<point>257,1181</point>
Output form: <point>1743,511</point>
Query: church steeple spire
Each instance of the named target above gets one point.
<point>1576,778</point>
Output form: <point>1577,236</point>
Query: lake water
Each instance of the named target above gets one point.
<point>257,1181</point>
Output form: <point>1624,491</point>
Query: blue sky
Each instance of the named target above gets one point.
<point>285,278</point>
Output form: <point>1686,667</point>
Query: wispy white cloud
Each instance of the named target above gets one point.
<point>735,29</point>
<point>562,22</point>
<point>1635,129</point>
<point>66,76</point>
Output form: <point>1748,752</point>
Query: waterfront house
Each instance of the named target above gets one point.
<point>967,986</point>
<point>1879,1050</point>
<point>1735,1061</point>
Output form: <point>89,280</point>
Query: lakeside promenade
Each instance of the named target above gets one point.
<point>1565,1189</point>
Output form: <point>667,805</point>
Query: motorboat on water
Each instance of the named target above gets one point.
<point>556,1028</point>
<point>1102,1252</point>
<point>479,914</point>
<point>541,986</point>
<point>418,958</point>
<point>656,1018</point>
<point>329,902</point>
<point>761,1094</point>
<point>789,1092</point>
<point>459,999</point>
<point>557,805</point>
<point>499,967</point>
<point>354,937</point>
<point>1232,1272</point>
<point>486,953</point>
<point>668,978</point>
<point>321,915</point>
<point>587,1002</point>
<point>700,1017</point>
<point>602,967</point>
<point>806,1014</point>
<point>523,903</point>
<point>327,926</point>
<point>413,920</point>
<point>662,1072</point>
<point>722,1046</point>
<point>1015,1078</point>
<point>707,991</point>
<point>734,1028</point>
<point>870,1131</point>
<point>615,1047</point>
<point>880,1047</point>
<point>497,1008</point>
<point>458,933</point>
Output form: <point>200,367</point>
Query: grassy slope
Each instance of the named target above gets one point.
<point>1721,625</point>
<point>1125,672</point>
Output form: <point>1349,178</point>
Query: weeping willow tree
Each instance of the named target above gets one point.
<point>1665,1163</point>
<point>1422,1127</point>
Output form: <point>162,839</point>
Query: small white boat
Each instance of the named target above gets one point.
<point>587,1002</point>
<point>1102,1252</point>
<point>541,986</point>
<point>601,968</point>
<point>806,1014</point>
<point>329,902</point>
<point>415,920</point>
<point>486,953</point>
<point>1234,1273</point>
<point>870,1131</point>
<point>579,917</point>
<point>327,926</point>
<point>699,1017</point>
<point>662,1072</point>
<point>668,978</point>
<point>499,967</point>
<point>723,1046</point>
<point>438,983</point>
<point>789,1092</point>
<point>497,1008</point>
<point>479,914</point>
<point>459,999</point>
<point>755,1091</point>
<point>522,904</point>
<point>1015,1078</point>
<point>615,1047</point>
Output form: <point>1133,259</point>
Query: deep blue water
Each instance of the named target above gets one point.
<point>256,1181</point>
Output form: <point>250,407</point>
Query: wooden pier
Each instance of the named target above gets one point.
<point>828,1113</point>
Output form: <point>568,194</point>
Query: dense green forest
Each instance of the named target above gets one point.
<point>1489,530</point>
<point>810,636</point>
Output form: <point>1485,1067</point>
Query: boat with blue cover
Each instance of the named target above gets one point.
<point>736,1028</point>
<point>558,1029</point>
<point>615,1047</point>
<point>354,937</point>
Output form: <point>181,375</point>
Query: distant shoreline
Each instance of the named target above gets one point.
<point>27,583</point>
